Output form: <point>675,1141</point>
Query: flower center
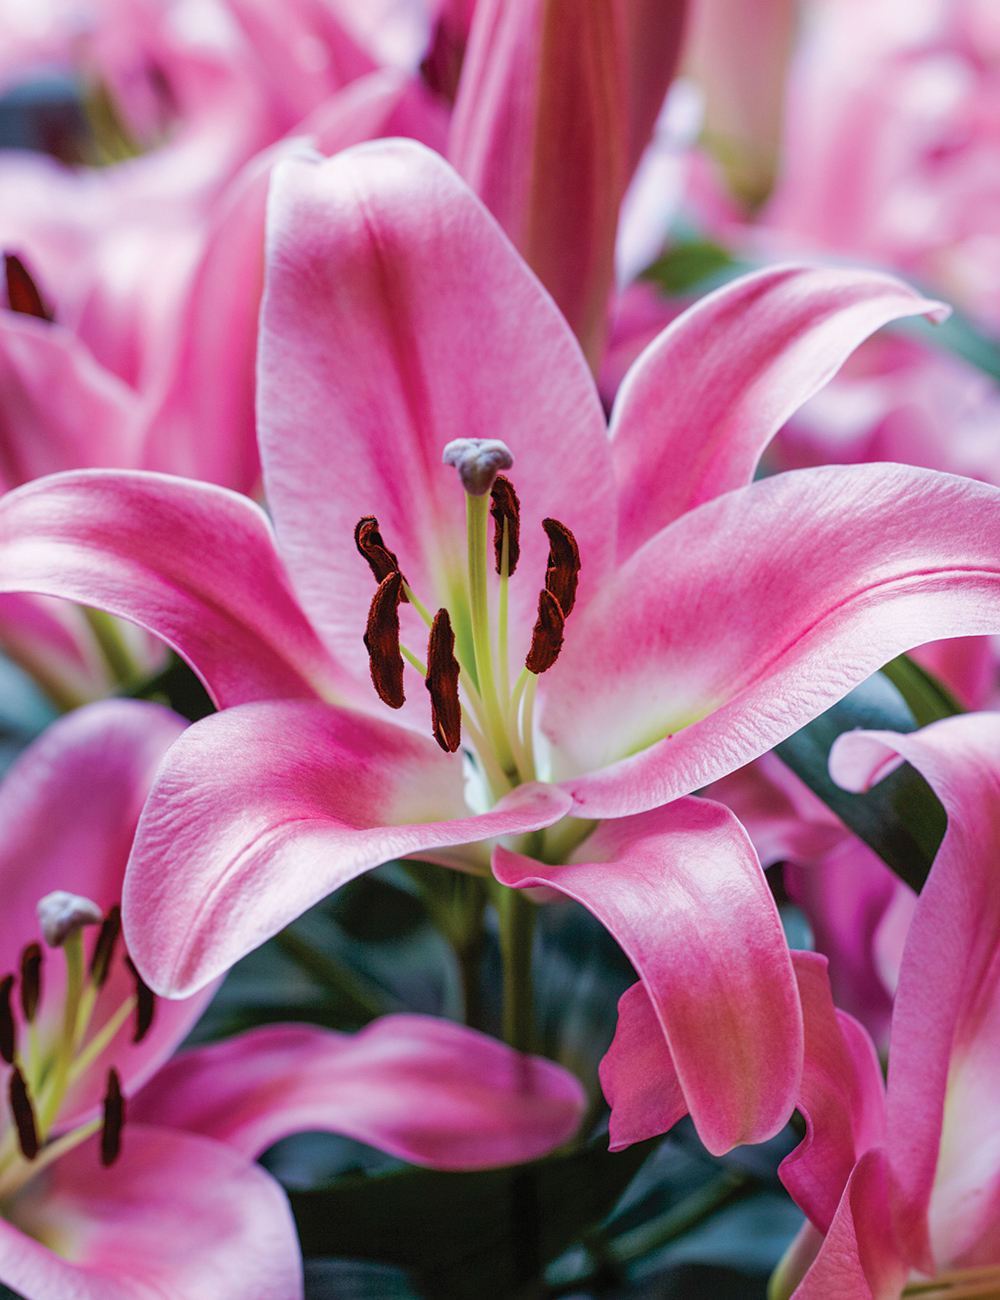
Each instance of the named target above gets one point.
<point>470,688</point>
<point>50,1048</point>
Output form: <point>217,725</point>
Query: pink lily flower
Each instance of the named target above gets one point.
<point>379,260</point>
<point>919,1197</point>
<point>103,1200</point>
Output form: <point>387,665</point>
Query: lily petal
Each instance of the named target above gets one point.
<point>697,409</point>
<point>858,1259</point>
<point>555,105</point>
<point>425,1090</point>
<point>682,891</point>
<point>842,1098</point>
<point>193,563</point>
<point>638,1075</point>
<point>68,811</point>
<point>944,1054</point>
<point>177,1216</point>
<point>747,617</point>
<point>396,317</point>
<point>59,409</point>
<point>261,811</point>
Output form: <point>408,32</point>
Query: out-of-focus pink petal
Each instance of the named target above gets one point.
<point>780,831</point>
<point>213,377</point>
<point>191,562</point>
<point>53,641</point>
<point>554,108</point>
<point>694,414</point>
<point>846,896</point>
<point>396,318</point>
<point>68,811</point>
<point>263,810</point>
<point>426,1090</point>
<point>749,616</point>
<point>944,1055</point>
<point>638,1075</point>
<point>176,1215</point>
<point>682,891</point>
<point>859,1259</point>
<point>58,408</point>
<point>842,1098</point>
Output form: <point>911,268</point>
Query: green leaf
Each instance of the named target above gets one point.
<point>685,265</point>
<point>468,1236</point>
<point>901,818</point>
<point>927,698</point>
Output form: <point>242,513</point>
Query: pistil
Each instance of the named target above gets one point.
<point>960,1284</point>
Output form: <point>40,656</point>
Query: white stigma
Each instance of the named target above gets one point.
<point>61,914</point>
<point>478,461</point>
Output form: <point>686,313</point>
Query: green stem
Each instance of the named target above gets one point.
<point>326,970</point>
<point>112,645</point>
<point>56,1086</point>
<point>517,927</point>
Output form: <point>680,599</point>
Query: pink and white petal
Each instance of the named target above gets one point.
<point>177,1216</point>
<point>859,1259</point>
<point>262,810</point>
<point>555,104</point>
<point>638,1075</point>
<point>397,317</point>
<point>842,1098</point>
<point>68,811</point>
<point>425,1090</point>
<point>681,890</point>
<point>944,1054</point>
<point>697,409</point>
<point>55,644</point>
<point>747,617</point>
<point>59,409</point>
<point>780,830</point>
<point>847,896</point>
<point>192,563</point>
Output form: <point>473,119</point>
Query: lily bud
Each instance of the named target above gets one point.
<point>478,462</point>
<point>61,914</point>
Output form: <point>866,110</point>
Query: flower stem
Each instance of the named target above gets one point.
<point>517,928</point>
<point>477,516</point>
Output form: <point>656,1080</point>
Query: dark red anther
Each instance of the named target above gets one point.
<point>382,641</point>
<point>104,949</point>
<point>8,1034</point>
<point>381,560</point>
<point>31,980</point>
<point>22,292</point>
<point>563,566</point>
<point>145,1003</point>
<point>504,508</point>
<point>547,635</point>
<point>24,1115</point>
<point>114,1120</point>
<point>442,682</point>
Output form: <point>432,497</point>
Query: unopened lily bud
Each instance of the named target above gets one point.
<point>61,914</point>
<point>478,461</point>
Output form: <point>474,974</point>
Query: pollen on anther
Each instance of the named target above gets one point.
<point>504,508</point>
<point>114,1120</point>
<point>561,574</point>
<point>381,560</point>
<point>24,1115</point>
<point>382,641</point>
<point>22,292</point>
<point>547,634</point>
<point>145,1003</point>
<point>8,1033</point>
<point>104,949</point>
<point>442,682</point>
<point>31,980</point>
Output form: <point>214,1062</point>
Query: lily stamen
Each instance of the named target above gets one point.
<point>114,1120</point>
<point>145,1004</point>
<point>382,641</point>
<point>960,1284</point>
<point>442,683</point>
<point>24,1115</point>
